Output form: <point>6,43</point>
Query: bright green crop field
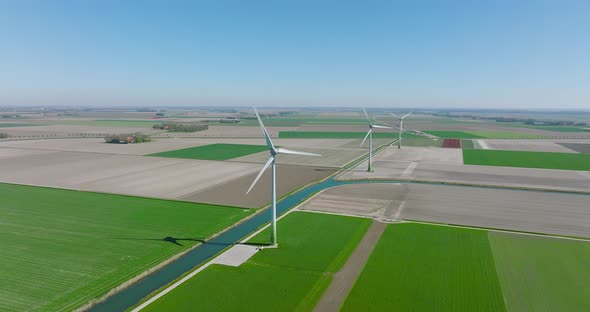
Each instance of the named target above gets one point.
<point>417,267</point>
<point>62,248</point>
<point>546,160</point>
<point>290,278</point>
<point>340,135</point>
<point>542,274</point>
<point>218,151</point>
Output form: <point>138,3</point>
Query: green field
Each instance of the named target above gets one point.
<point>558,128</point>
<point>418,267</point>
<point>542,274</point>
<point>219,151</point>
<point>11,124</point>
<point>299,120</point>
<point>545,160</point>
<point>467,144</point>
<point>62,248</point>
<point>340,135</point>
<point>290,278</point>
<point>110,123</point>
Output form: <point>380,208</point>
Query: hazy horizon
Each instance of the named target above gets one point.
<point>433,55</point>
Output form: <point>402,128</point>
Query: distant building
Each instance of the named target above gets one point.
<point>230,120</point>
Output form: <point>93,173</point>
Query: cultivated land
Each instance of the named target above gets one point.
<point>341,135</point>
<point>62,248</point>
<point>542,274</point>
<point>540,145</point>
<point>157,145</point>
<point>544,160</point>
<point>233,193</point>
<point>425,268</point>
<point>430,164</point>
<point>122,174</point>
<point>538,212</point>
<point>312,248</point>
<point>578,147</point>
<point>218,151</point>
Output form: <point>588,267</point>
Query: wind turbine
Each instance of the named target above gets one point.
<point>401,127</point>
<point>274,151</point>
<point>370,136</point>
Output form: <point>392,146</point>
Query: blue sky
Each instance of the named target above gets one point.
<point>469,54</point>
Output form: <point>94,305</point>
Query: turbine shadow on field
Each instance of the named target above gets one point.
<point>176,241</point>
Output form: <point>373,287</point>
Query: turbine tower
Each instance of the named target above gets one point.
<point>370,136</point>
<point>401,127</point>
<point>274,151</point>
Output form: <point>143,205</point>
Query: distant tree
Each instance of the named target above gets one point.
<point>3,135</point>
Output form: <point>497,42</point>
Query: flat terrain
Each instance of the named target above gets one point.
<point>122,174</point>
<point>217,151</point>
<point>540,145</point>
<point>157,145</point>
<point>426,268</point>
<point>49,131</point>
<point>542,274</point>
<point>292,277</point>
<point>416,163</point>
<point>233,192</point>
<point>62,248</point>
<point>341,135</point>
<point>544,160</point>
<point>578,147</point>
<point>539,212</point>
<point>331,157</point>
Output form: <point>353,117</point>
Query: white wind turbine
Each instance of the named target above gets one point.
<point>401,127</point>
<point>274,151</point>
<point>370,136</point>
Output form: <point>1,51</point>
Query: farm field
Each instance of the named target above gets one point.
<point>159,177</point>
<point>312,248</point>
<point>418,267</point>
<point>14,124</point>
<point>467,144</point>
<point>545,160</point>
<point>505,135</point>
<point>541,273</point>
<point>110,123</point>
<point>217,151</point>
<point>539,145</point>
<point>578,147</point>
<point>454,135</point>
<point>289,178</point>
<point>62,248</point>
<point>298,121</point>
<point>340,135</point>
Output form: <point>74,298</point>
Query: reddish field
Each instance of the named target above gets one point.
<point>452,143</point>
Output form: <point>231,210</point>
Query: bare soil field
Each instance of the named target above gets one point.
<point>539,212</point>
<point>233,192</point>
<point>121,174</point>
<point>330,157</point>
<point>426,167</point>
<point>578,147</point>
<point>532,145</point>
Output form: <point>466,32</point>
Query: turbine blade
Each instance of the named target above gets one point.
<point>366,136</point>
<point>290,152</point>
<point>264,132</point>
<point>406,115</point>
<point>260,173</point>
<point>367,115</point>
<point>381,127</point>
<point>394,115</point>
